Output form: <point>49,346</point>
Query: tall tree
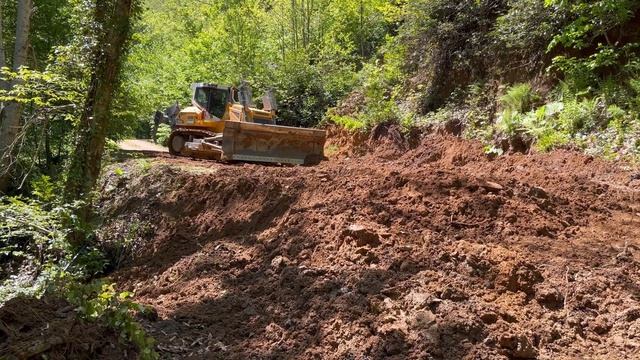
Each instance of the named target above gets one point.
<point>113,19</point>
<point>10,125</point>
<point>3,58</point>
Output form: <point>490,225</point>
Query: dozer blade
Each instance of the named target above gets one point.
<point>244,141</point>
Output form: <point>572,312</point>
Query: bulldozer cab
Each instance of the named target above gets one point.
<point>213,98</point>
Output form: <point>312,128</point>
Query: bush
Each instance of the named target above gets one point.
<point>34,246</point>
<point>100,302</point>
<point>551,139</point>
<point>43,189</point>
<point>519,98</point>
<point>516,115</point>
<point>380,85</point>
<point>580,116</point>
<point>162,137</point>
<point>350,123</point>
<point>36,258</point>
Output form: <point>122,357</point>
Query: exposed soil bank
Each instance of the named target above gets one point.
<point>438,252</point>
<point>50,329</point>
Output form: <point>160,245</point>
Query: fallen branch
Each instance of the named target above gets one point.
<point>23,222</point>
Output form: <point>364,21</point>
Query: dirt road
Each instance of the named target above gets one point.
<point>437,252</point>
<point>139,145</point>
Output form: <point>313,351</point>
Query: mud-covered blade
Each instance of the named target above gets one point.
<point>245,141</point>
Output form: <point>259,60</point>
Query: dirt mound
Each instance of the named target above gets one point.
<point>439,253</point>
<point>387,140</point>
<point>49,329</point>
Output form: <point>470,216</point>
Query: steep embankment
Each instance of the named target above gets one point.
<point>438,253</point>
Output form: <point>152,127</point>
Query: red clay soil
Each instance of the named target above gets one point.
<point>49,329</point>
<point>437,252</point>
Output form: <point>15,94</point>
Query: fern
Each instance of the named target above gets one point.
<point>519,98</point>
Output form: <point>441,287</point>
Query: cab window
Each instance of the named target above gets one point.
<point>218,102</point>
<point>202,97</point>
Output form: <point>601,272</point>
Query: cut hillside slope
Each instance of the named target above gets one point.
<point>437,253</point>
<point>49,328</point>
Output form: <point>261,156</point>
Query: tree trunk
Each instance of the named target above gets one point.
<point>114,18</point>
<point>10,126</point>
<point>3,56</point>
<point>361,30</point>
<point>294,23</point>
<point>47,146</point>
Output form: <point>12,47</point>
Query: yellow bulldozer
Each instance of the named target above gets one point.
<point>222,124</point>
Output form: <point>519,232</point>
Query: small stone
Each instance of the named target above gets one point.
<point>423,319</point>
<point>550,298</point>
<point>489,341</point>
<point>417,300</point>
<point>538,192</point>
<point>600,325</point>
<point>273,332</point>
<point>394,343</point>
<point>489,318</point>
<point>364,236</point>
<point>520,277</point>
<point>279,262</point>
<point>491,186</point>
<point>453,294</point>
<point>618,340</point>
<point>406,266</point>
<point>518,346</point>
<point>388,303</point>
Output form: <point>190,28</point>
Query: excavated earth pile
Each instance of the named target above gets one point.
<point>435,252</point>
<point>49,328</point>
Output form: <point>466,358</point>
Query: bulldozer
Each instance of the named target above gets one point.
<point>222,124</point>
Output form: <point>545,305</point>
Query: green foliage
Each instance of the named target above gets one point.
<point>525,30</point>
<point>451,46</point>
<point>597,29</point>
<point>36,258</point>
<point>519,98</point>
<point>33,241</point>
<point>52,88</point>
<point>162,136</point>
<point>307,52</point>
<point>50,27</point>
<point>552,139</point>
<point>460,52</point>
<point>517,103</point>
<point>580,116</point>
<point>145,165</point>
<point>348,122</point>
<point>591,20</point>
<point>43,189</point>
<point>118,172</point>
<point>634,84</point>
<point>100,302</point>
<point>46,90</point>
<point>380,83</point>
<point>111,145</point>
<point>331,150</point>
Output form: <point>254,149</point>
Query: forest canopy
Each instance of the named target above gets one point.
<point>308,51</point>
